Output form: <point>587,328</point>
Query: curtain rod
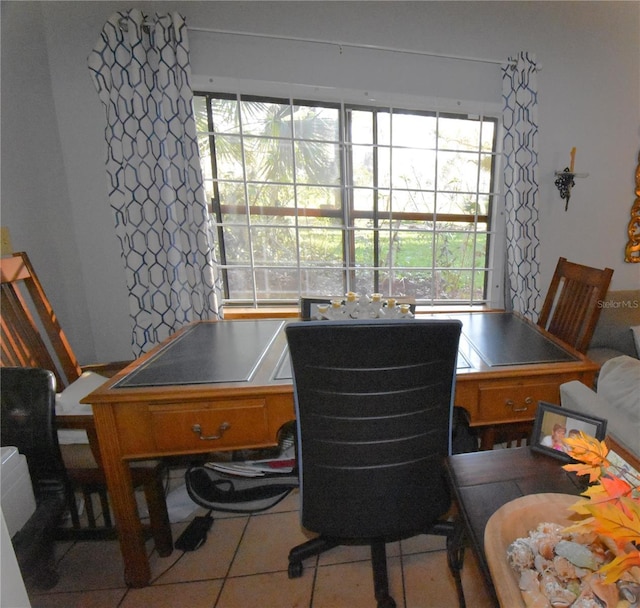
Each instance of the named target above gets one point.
<point>355,45</point>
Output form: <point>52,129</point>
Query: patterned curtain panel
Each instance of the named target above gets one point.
<point>140,67</point>
<point>520,146</point>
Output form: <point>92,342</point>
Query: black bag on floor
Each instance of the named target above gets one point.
<point>216,490</point>
<point>221,491</point>
<point>215,485</point>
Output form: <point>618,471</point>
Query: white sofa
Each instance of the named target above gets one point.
<point>617,400</point>
<point>617,330</point>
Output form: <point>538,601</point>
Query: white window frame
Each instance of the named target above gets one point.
<point>497,242</point>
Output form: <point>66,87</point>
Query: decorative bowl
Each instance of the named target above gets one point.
<point>515,520</point>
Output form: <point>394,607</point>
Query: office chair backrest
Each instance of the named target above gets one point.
<point>27,421</point>
<point>572,306</point>
<point>30,332</point>
<point>373,407</point>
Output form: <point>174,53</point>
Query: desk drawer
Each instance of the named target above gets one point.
<point>514,401</point>
<point>213,426</point>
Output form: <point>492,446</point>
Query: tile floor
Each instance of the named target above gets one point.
<point>243,564</point>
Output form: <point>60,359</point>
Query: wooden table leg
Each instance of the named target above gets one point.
<point>137,572</point>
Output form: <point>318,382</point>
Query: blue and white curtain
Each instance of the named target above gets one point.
<point>520,147</point>
<point>140,67</point>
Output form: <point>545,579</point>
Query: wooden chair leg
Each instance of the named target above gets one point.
<point>106,511</point>
<point>487,438</point>
<point>88,505</point>
<point>73,508</point>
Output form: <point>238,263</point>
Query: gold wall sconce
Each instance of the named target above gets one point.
<point>565,179</point>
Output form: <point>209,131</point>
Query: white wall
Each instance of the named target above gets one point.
<point>589,95</point>
<point>13,593</point>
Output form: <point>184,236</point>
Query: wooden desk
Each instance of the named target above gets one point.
<point>151,407</point>
<point>484,481</point>
<point>507,365</point>
<point>233,380</point>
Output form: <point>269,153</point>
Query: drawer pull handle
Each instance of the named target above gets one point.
<point>196,428</point>
<point>511,403</point>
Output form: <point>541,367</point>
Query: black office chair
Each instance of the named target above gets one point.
<point>374,406</point>
<point>28,423</point>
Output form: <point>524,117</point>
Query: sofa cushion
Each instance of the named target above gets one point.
<point>620,311</point>
<point>602,354</point>
<point>636,338</point>
<point>619,388</point>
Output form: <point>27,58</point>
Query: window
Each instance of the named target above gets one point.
<point>312,198</point>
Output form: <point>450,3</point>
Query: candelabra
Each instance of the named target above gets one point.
<point>365,307</point>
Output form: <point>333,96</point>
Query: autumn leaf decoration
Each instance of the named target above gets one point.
<point>613,508</point>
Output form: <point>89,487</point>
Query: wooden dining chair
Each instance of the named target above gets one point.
<point>570,312</point>
<point>573,303</point>
<point>509,435</point>
<point>31,336</point>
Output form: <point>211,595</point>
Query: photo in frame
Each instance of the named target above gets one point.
<point>553,423</point>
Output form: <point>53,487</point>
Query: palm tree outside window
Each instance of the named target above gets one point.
<point>316,199</point>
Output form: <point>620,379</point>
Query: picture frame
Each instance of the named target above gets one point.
<point>620,455</point>
<point>553,422</point>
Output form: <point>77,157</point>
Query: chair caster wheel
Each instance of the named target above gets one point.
<point>295,569</point>
<point>386,602</point>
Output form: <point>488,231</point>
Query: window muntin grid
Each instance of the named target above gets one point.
<point>312,198</point>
